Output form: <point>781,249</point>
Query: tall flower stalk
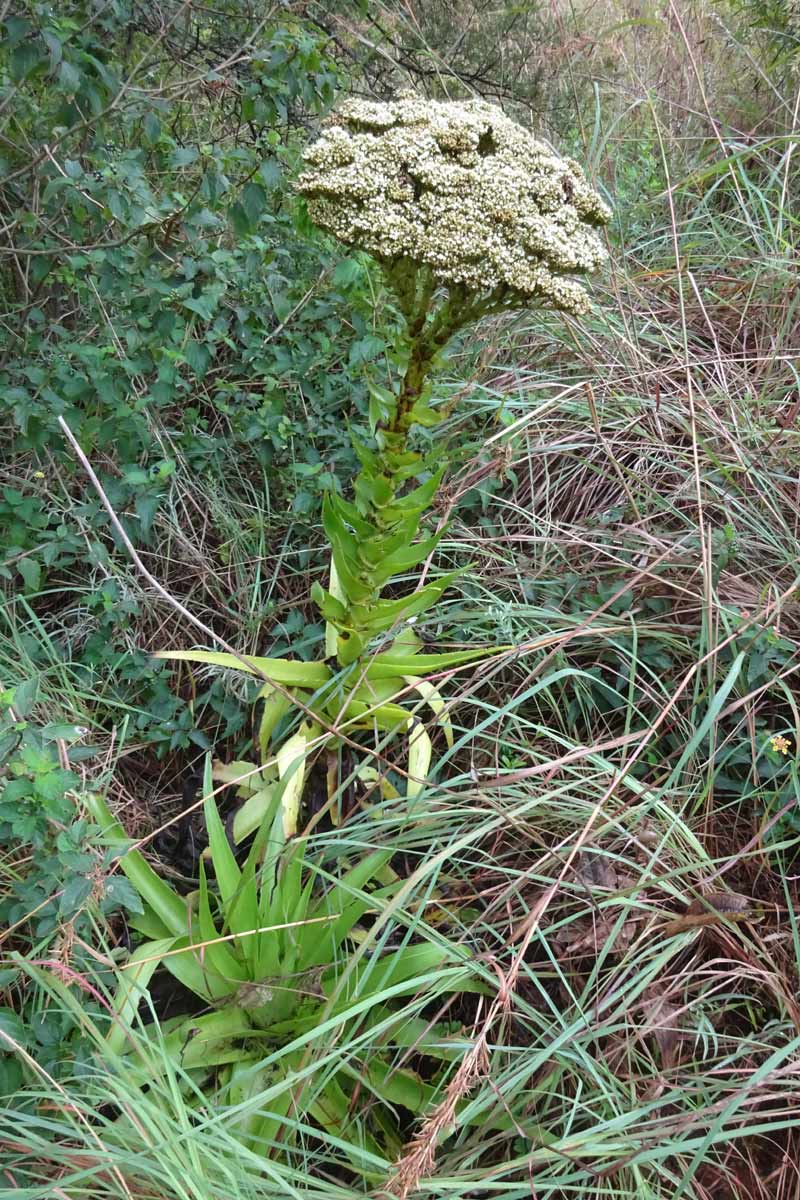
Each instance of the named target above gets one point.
<point>469,215</point>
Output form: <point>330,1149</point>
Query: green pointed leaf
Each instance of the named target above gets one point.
<point>134,978</point>
<point>389,717</point>
<point>277,670</point>
<point>382,404</point>
<point>349,513</point>
<point>389,664</point>
<point>168,906</point>
<point>226,869</point>
<point>331,608</point>
<point>276,706</point>
<point>217,957</point>
<point>331,632</point>
<point>386,613</point>
<point>405,560</point>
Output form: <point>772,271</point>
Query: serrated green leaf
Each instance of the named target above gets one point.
<point>76,891</point>
<point>31,572</point>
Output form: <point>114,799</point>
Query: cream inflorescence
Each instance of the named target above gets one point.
<point>462,189</point>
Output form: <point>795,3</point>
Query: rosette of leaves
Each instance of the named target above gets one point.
<point>268,948</point>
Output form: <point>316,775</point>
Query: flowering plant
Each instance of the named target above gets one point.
<point>468,214</point>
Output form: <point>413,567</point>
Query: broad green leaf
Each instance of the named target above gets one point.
<point>416,501</point>
<point>392,1084</point>
<point>386,613</point>
<point>382,404</point>
<point>31,572</point>
<point>331,608</point>
<point>134,979</point>
<point>388,664</point>
<point>379,691</point>
<point>349,513</point>
<point>148,924</point>
<point>242,915</point>
<point>388,717</point>
<point>211,1040</point>
<point>168,906</point>
<point>226,869</point>
<point>344,549</point>
<point>417,1033</point>
<point>185,962</point>
<point>405,560</point>
<point>277,670</point>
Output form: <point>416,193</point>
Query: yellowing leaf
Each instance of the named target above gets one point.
<point>292,768</point>
<point>436,703</point>
<point>253,812</point>
<point>276,706</point>
<point>331,636</point>
<point>420,751</point>
<point>248,776</point>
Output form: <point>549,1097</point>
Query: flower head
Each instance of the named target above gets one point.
<point>459,188</point>
<point>780,744</point>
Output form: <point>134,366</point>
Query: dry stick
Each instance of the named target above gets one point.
<point>151,579</point>
<point>251,667</point>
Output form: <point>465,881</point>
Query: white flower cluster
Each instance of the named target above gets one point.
<point>460,188</point>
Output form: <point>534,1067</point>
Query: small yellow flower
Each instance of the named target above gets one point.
<point>780,744</point>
